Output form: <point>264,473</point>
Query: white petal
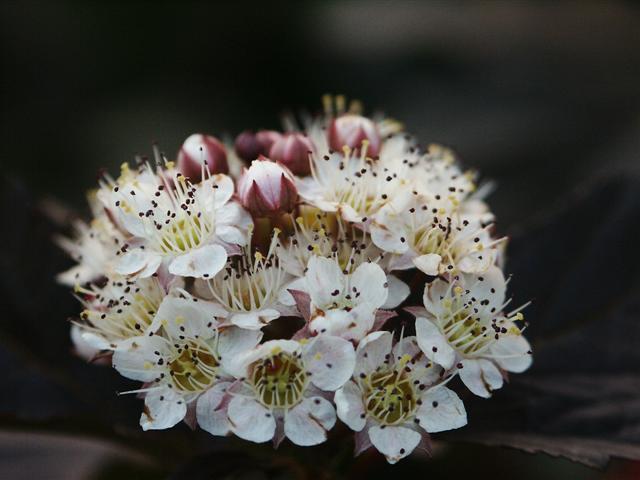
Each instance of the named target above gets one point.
<point>254,320</point>
<point>352,325</point>
<point>184,316</point>
<point>372,351</point>
<point>441,410</point>
<point>164,409</point>
<point>434,344</point>
<point>211,411</point>
<point>370,282</point>
<point>434,294</point>
<point>326,278</point>
<point>349,213</point>
<point>428,263</point>
<point>214,192</point>
<point>512,353</point>
<point>471,375</point>
<point>389,238</point>
<point>490,286</point>
<point>398,292</point>
<point>203,262</point>
<point>88,342</point>
<point>233,342</point>
<point>394,443</point>
<point>308,422</point>
<point>477,262</point>
<point>330,360</point>
<point>491,375</point>
<point>350,407</point>
<point>135,358</point>
<point>140,262</point>
<point>250,420</point>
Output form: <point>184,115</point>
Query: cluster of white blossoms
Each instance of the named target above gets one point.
<point>269,288</point>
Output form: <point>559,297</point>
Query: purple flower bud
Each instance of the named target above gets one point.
<point>267,188</point>
<point>198,148</point>
<point>249,145</point>
<point>351,130</point>
<point>292,150</point>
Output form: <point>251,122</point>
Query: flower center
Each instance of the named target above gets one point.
<point>194,367</point>
<point>389,396</point>
<point>432,238</point>
<point>279,381</point>
<point>466,330</point>
<point>249,283</point>
<point>181,235</point>
<point>123,313</point>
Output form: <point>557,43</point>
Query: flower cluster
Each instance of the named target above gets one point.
<point>268,288</point>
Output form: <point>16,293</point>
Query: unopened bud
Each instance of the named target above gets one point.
<point>292,150</point>
<point>199,149</point>
<point>267,188</point>
<point>249,145</point>
<point>351,130</point>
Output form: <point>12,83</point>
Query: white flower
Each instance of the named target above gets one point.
<point>349,184</point>
<point>434,173</point>
<point>249,290</point>
<point>93,246</point>
<point>463,326</point>
<point>187,357</point>
<point>394,397</point>
<point>317,233</point>
<point>189,227</point>
<point>282,391</point>
<point>119,310</point>
<point>342,304</point>
<point>432,239</point>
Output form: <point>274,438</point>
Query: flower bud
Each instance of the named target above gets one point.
<point>292,150</point>
<point>249,145</point>
<point>267,188</point>
<point>267,138</point>
<point>198,148</point>
<point>351,130</point>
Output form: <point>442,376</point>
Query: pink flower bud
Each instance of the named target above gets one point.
<point>249,145</point>
<point>267,188</point>
<point>351,130</point>
<point>267,138</point>
<point>292,150</point>
<point>198,148</point>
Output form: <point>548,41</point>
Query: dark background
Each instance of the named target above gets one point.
<point>539,96</point>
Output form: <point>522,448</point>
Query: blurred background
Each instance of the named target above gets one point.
<point>539,96</point>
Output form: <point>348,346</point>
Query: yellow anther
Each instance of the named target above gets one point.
<point>180,320</point>
<point>406,358</point>
<point>300,221</point>
<point>276,231</point>
<point>317,356</point>
<point>170,165</point>
<point>147,365</point>
<point>258,257</point>
<point>276,350</point>
<point>458,290</point>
